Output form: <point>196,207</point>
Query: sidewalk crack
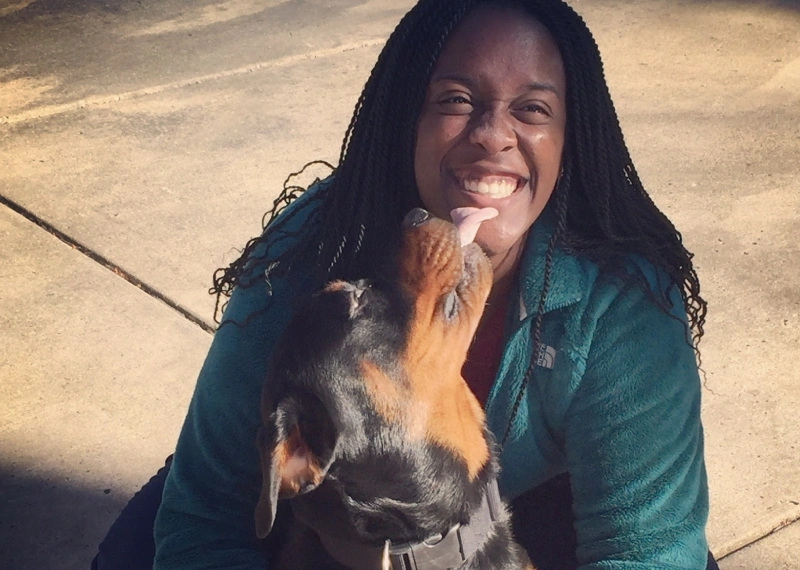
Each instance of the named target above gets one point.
<point>107,263</point>
<point>761,530</point>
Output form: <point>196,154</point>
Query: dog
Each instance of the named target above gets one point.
<point>371,433</point>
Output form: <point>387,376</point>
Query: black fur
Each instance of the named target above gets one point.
<point>378,485</point>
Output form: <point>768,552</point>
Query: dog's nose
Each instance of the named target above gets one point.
<point>417,217</point>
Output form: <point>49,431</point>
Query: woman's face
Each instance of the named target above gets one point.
<point>491,131</point>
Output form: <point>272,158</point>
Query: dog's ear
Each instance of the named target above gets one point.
<point>296,447</point>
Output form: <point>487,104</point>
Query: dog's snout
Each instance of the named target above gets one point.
<point>417,217</point>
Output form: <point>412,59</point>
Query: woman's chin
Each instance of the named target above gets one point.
<point>501,251</point>
<point>493,248</point>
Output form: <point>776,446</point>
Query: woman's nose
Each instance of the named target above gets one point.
<point>493,132</point>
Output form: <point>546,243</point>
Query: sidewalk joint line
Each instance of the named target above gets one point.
<point>762,531</point>
<point>105,262</point>
<point>103,100</point>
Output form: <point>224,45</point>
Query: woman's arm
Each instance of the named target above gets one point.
<point>634,443</point>
<point>206,517</point>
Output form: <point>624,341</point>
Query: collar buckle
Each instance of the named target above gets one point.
<point>431,554</point>
<point>456,546</point>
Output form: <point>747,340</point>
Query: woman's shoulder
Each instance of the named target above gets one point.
<point>631,285</point>
<point>591,298</point>
<point>587,282</point>
<point>614,298</point>
<point>263,288</point>
<point>292,222</point>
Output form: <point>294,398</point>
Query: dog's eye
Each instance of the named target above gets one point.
<point>356,292</point>
<point>450,307</point>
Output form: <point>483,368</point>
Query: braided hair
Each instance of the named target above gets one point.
<point>602,210</point>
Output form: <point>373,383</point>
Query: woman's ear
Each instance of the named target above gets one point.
<point>296,447</point>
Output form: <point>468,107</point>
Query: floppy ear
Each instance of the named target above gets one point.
<point>296,448</point>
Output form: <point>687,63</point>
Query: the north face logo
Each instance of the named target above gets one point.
<point>547,357</point>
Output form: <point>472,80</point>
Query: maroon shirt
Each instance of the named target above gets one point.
<point>484,356</point>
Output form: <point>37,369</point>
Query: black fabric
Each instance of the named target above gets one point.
<point>129,544</point>
<point>548,533</point>
<point>544,524</point>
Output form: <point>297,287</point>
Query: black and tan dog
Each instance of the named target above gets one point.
<point>370,430</point>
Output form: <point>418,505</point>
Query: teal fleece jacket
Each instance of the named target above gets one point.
<point>615,402</point>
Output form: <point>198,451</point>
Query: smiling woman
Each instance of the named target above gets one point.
<point>491,130</point>
<point>583,358</point>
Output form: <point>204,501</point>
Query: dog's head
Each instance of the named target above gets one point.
<point>365,404</point>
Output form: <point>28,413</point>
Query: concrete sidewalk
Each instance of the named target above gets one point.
<point>155,134</point>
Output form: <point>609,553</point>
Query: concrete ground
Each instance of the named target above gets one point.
<point>153,135</point>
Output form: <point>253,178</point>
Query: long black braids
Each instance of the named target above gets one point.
<point>561,197</point>
<point>609,214</point>
<point>603,211</point>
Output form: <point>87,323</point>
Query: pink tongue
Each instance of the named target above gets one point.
<point>469,220</point>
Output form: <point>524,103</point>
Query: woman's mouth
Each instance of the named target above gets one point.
<point>495,186</point>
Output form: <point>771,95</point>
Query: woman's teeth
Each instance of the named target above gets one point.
<point>493,189</point>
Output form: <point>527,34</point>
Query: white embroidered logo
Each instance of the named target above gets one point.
<point>547,357</point>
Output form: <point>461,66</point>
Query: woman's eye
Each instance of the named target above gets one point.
<point>534,109</point>
<point>457,104</point>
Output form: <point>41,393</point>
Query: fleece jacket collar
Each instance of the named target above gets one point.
<point>567,274</point>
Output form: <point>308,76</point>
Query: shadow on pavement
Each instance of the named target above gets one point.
<point>781,4</point>
<point>50,7</point>
<point>51,523</point>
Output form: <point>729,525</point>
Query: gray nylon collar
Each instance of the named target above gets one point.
<point>455,547</point>
<point>445,552</point>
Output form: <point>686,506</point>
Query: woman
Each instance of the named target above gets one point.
<point>584,357</point>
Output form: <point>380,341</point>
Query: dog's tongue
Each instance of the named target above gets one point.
<point>469,220</point>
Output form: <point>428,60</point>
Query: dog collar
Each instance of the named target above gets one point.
<point>457,545</point>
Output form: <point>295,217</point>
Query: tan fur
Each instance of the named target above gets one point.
<point>437,404</point>
<point>296,464</point>
<point>384,392</point>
